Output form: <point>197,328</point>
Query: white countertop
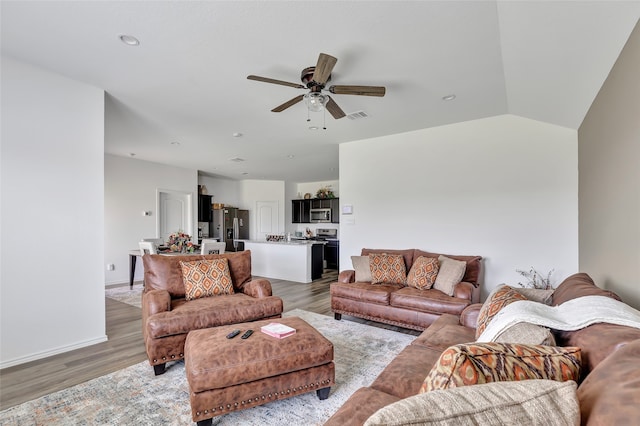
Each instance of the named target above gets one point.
<point>290,243</point>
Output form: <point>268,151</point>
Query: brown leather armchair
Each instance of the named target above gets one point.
<point>167,317</point>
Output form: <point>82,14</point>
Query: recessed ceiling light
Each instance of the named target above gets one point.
<point>291,156</point>
<point>129,40</point>
<point>313,127</point>
<point>237,135</point>
<point>449,97</point>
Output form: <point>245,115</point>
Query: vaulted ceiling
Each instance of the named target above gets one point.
<point>180,96</point>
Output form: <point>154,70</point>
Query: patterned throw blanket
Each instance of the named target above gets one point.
<point>571,315</point>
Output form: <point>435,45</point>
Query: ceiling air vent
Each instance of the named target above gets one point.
<point>237,160</point>
<point>357,115</point>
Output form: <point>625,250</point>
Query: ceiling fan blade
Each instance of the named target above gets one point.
<point>334,109</point>
<point>323,68</point>
<point>274,81</point>
<point>287,104</point>
<point>358,90</point>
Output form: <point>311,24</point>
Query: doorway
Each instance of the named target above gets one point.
<point>174,213</point>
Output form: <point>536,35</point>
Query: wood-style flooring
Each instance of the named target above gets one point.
<point>125,346</point>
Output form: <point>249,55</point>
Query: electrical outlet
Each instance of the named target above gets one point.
<point>111,267</point>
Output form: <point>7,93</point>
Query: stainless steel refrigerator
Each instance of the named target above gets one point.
<point>229,225</point>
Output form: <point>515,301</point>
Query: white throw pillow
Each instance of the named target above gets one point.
<point>362,268</point>
<point>543,402</point>
<point>450,273</point>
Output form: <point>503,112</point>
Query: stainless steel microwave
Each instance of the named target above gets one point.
<point>320,215</point>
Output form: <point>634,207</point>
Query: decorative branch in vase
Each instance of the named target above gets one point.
<point>535,279</point>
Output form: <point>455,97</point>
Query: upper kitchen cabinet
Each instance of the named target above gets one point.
<point>301,211</point>
<point>204,208</point>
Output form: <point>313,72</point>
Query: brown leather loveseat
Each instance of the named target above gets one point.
<point>401,305</point>
<point>167,316</point>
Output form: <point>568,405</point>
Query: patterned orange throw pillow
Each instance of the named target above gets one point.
<point>500,298</point>
<point>423,273</point>
<point>477,363</point>
<point>387,269</point>
<point>205,278</point>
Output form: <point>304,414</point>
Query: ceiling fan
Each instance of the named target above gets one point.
<point>315,79</point>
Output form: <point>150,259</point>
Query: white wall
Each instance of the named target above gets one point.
<point>609,153</point>
<point>503,187</point>
<point>226,191</point>
<point>130,188</point>
<point>51,282</point>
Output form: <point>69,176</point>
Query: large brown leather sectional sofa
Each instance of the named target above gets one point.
<point>608,393</point>
<point>401,305</point>
<point>167,317</point>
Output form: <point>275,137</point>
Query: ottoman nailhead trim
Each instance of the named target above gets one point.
<point>197,413</point>
<point>235,404</point>
<point>206,411</point>
<point>173,356</point>
<point>221,407</point>
<point>155,360</point>
<point>164,358</point>
<point>181,355</point>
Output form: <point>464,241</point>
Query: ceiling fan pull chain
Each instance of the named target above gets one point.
<point>324,118</point>
<point>308,115</point>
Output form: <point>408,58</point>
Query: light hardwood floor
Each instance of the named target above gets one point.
<point>125,346</point>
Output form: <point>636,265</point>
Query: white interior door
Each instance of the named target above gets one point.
<point>267,219</point>
<point>174,213</point>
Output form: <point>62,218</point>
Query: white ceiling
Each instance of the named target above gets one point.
<point>186,81</point>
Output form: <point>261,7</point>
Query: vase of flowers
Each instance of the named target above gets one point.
<point>325,192</point>
<point>181,242</point>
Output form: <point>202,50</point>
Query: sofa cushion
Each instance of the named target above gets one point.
<point>404,376</point>
<point>164,272</point>
<point>387,269</point>
<point>578,285</point>
<point>442,334</point>
<point>477,363</point>
<point>362,268</point>
<point>450,273</point>
<point>472,270</point>
<point>206,278</point>
<point>514,403</point>
<point>211,312</point>
<point>498,299</point>
<point>427,301</point>
<point>610,395</point>
<point>423,273</point>
<point>364,292</point>
<point>360,406</point>
<point>406,254</point>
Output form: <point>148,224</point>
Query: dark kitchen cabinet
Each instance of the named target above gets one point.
<point>204,208</point>
<point>332,254</point>
<point>335,210</point>
<point>301,211</point>
<point>317,262</point>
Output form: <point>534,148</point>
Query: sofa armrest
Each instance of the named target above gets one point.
<point>257,288</point>
<point>469,317</point>
<point>464,290</point>
<point>155,301</point>
<point>347,276</point>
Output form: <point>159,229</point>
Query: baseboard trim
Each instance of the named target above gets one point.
<point>52,352</point>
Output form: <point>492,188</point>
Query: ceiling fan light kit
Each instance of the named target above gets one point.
<point>315,79</point>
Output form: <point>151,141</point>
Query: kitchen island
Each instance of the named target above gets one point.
<point>301,261</point>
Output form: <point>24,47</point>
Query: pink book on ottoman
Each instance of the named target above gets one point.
<point>277,330</point>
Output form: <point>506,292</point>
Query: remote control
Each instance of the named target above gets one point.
<point>233,334</point>
<point>247,334</point>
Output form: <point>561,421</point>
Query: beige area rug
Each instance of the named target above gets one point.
<point>134,396</point>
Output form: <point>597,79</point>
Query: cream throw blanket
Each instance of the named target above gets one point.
<point>571,315</point>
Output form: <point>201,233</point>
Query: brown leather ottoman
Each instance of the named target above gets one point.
<point>227,375</point>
